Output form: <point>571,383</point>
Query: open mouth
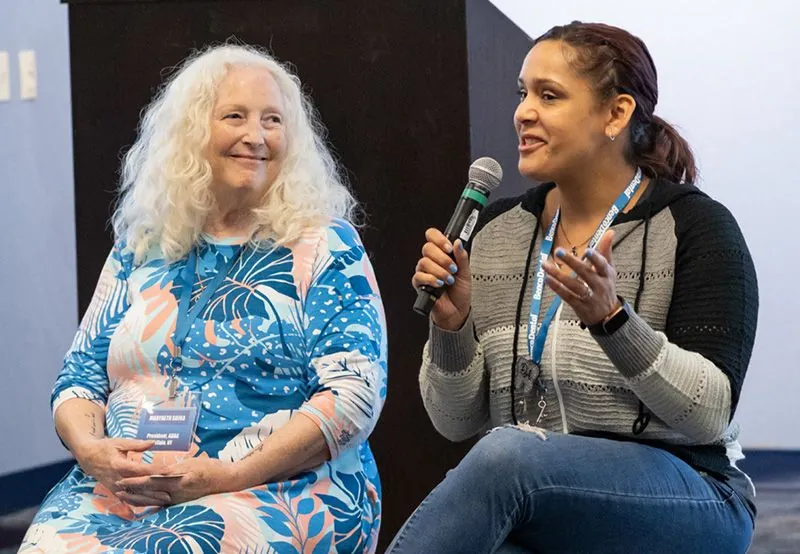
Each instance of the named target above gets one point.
<point>529,144</point>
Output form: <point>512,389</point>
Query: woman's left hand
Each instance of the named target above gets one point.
<point>590,288</point>
<point>185,481</point>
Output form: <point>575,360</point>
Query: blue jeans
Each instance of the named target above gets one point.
<point>515,492</point>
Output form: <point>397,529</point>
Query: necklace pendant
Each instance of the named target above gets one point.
<point>574,251</point>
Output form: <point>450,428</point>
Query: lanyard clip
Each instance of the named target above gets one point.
<point>176,363</point>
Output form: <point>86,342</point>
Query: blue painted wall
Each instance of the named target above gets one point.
<point>38,298</point>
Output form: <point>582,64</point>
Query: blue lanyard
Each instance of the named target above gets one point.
<point>186,316</point>
<point>538,335</point>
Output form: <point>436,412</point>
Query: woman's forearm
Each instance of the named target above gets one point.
<point>79,421</point>
<point>684,389</point>
<point>294,448</point>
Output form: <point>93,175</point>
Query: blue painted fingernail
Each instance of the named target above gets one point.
<point>589,252</point>
<point>450,279</point>
<point>439,282</point>
<point>453,268</point>
<point>573,275</point>
<point>560,252</point>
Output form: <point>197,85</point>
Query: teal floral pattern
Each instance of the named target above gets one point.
<point>290,330</point>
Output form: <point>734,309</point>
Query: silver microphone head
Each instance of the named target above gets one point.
<point>485,174</point>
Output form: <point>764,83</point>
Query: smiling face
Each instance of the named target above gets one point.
<point>560,122</point>
<point>248,136</point>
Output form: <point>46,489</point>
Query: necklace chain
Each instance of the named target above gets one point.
<point>573,247</point>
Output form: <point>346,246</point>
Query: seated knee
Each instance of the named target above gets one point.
<point>503,450</point>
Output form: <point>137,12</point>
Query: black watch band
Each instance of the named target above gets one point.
<point>611,325</point>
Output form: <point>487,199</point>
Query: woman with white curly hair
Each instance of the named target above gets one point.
<point>222,385</point>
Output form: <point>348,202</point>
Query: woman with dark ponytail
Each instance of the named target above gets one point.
<point>599,327</point>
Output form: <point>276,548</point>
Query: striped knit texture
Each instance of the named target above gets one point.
<point>684,355</point>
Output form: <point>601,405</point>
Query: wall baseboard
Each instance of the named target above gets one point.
<point>770,465</point>
<point>24,489</point>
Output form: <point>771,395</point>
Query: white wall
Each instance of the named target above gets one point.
<point>729,78</point>
<point>38,297</point>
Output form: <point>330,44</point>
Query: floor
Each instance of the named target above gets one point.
<point>778,522</point>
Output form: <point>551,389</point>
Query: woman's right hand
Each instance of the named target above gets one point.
<point>437,269</point>
<point>106,460</point>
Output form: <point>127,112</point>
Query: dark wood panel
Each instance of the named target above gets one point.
<point>496,48</point>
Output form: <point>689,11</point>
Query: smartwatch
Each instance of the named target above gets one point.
<point>610,325</point>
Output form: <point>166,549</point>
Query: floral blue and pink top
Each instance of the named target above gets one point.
<point>290,330</point>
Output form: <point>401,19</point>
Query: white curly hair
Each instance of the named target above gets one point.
<point>165,194</point>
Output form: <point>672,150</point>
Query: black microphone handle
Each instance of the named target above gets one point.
<point>461,225</point>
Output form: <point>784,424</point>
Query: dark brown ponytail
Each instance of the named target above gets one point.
<point>658,148</point>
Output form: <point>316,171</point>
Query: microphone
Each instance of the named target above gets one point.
<point>484,175</point>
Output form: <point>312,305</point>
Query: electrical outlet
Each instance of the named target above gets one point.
<point>5,78</point>
<point>27,74</point>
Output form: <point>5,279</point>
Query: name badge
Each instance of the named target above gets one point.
<point>169,423</point>
<point>169,428</point>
